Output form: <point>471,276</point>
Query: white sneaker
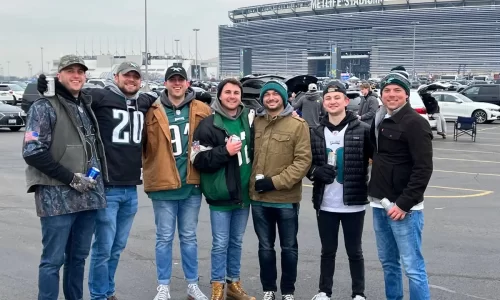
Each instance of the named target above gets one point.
<point>163,292</point>
<point>321,296</point>
<point>358,297</point>
<point>287,297</point>
<point>194,292</point>
<point>269,296</point>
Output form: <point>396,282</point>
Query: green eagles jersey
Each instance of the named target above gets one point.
<point>178,120</point>
<point>235,127</point>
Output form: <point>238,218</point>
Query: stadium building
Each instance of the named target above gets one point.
<point>431,37</point>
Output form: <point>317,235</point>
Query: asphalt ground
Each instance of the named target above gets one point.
<point>461,239</point>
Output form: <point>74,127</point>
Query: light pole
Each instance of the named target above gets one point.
<point>146,76</point>
<point>198,70</point>
<point>8,70</point>
<point>177,49</point>
<point>29,67</point>
<point>41,50</point>
<point>286,61</point>
<point>1,71</point>
<point>48,66</point>
<point>414,31</point>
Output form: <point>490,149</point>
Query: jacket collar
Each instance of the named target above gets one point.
<point>399,113</point>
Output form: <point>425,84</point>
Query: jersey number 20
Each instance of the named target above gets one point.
<point>122,131</point>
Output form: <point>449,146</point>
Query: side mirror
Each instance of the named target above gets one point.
<point>459,101</point>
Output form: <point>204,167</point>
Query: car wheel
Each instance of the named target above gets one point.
<point>15,129</point>
<point>480,116</point>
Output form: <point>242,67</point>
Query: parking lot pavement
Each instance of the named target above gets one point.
<point>461,236</point>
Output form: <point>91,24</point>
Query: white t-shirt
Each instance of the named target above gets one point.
<point>333,198</point>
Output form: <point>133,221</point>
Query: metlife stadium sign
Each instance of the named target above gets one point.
<point>321,4</point>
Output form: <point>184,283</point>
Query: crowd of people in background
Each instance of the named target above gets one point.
<point>241,160</point>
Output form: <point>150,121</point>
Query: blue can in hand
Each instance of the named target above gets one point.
<point>93,173</point>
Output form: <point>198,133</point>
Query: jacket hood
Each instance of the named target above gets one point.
<point>312,96</point>
<point>286,112</point>
<point>218,108</point>
<point>188,97</point>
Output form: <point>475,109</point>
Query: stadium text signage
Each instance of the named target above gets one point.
<point>319,4</point>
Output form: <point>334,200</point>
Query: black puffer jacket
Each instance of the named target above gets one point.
<point>357,151</point>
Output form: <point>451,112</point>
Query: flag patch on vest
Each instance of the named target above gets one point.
<point>31,136</point>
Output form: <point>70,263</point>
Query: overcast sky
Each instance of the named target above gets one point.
<point>58,25</point>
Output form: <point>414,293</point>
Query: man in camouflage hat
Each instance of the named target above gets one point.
<point>62,142</point>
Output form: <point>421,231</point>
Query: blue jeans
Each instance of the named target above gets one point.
<point>228,228</point>
<point>113,225</point>
<point>265,220</point>
<point>66,240</point>
<point>185,212</point>
<point>401,241</point>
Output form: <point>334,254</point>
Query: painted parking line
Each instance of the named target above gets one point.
<point>467,151</point>
<point>468,160</point>
<point>485,129</point>
<point>468,173</point>
<point>477,193</point>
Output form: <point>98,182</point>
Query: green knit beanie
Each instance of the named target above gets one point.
<point>277,86</point>
<point>399,76</point>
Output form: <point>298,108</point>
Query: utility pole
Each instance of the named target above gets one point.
<point>8,70</point>
<point>41,49</point>
<point>146,79</point>
<point>286,61</point>
<point>198,69</point>
<point>414,31</point>
<point>177,47</point>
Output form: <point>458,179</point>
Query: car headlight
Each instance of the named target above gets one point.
<point>23,114</point>
<point>2,115</point>
<point>493,109</point>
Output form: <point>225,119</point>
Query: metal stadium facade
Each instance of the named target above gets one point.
<point>426,36</point>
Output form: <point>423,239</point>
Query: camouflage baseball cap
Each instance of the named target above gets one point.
<point>68,60</point>
<point>128,66</point>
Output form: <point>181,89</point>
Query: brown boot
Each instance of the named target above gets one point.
<point>236,292</point>
<point>217,291</point>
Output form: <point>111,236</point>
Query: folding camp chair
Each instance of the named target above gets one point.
<point>465,125</point>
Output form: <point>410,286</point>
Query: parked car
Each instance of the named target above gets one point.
<point>418,105</point>
<point>455,105</point>
<point>15,90</point>
<point>31,94</point>
<point>7,97</point>
<point>11,117</point>
<point>489,93</point>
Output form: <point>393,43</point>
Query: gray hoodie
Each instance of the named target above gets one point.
<point>311,106</point>
<point>286,112</point>
<point>217,107</point>
<point>190,96</point>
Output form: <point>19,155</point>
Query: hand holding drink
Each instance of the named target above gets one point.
<point>233,145</point>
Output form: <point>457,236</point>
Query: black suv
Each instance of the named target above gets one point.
<point>489,93</point>
<point>30,95</point>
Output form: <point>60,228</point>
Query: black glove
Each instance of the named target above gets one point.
<point>264,185</point>
<point>42,84</point>
<point>82,183</point>
<point>325,174</point>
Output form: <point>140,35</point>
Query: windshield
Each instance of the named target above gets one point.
<point>463,98</point>
<point>16,88</point>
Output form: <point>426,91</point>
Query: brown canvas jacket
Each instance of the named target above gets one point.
<point>159,168</point>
